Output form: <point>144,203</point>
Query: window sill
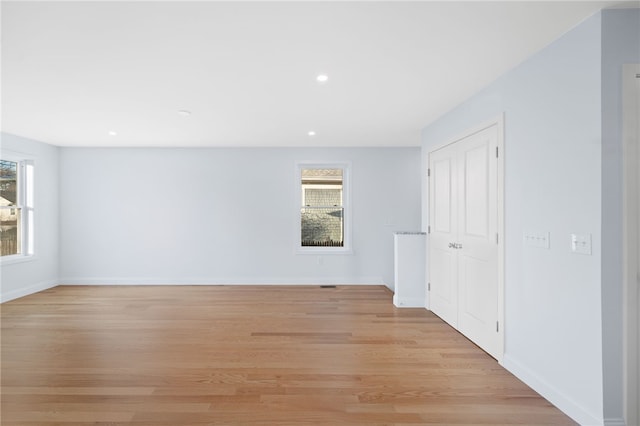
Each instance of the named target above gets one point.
<point>324,250</point>
<point>17,258</point>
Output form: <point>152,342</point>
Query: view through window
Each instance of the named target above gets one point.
<point>16,207</point>
<point>10,211</point>
<point>322,210</point>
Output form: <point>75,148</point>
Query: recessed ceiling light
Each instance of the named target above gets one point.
<point>112,133</point>
<point>184,112</point>
<point>322,78</point>
<point>311,133</point>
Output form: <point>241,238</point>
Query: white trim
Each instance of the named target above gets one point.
<point>408,302</point>
<point>425,221</point>
<point>17,258</point>
<point>26,291</point>
<point>566,404</point>
<point>323,250</point>
<point>45,285</point>
<point>614,422</point>
<point>223,281</point>
<point>346,166</point>
<point>631,243</point>
<point>499,122</point>
<point>27,234</point>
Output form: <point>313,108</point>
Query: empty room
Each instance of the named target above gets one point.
<point>327,213</point>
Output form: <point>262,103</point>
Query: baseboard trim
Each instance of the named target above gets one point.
<point>614,422</point>
<point>223,281</point>
<point>564,403</point>
<point>26,291</point>
<point>408,302</point>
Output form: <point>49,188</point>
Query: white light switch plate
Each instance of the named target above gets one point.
<point>581,243</point>
<point>537,239</point>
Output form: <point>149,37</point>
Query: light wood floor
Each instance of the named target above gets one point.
<point>233,355</point>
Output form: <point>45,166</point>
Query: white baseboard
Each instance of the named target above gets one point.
<point>567,405</point>
<point>408,302</point>
<point>223,281</point>
<point>615,422</point>
<point>15,294</point>
<point>21,292</point>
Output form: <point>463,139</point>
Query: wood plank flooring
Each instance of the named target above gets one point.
<point>235,355</point>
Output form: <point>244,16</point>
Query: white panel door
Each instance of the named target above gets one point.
<point>477,241</point>
<point>463,247</point>
<point>443,296</point>
<point>631,232</point>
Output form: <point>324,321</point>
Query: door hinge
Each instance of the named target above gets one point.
<point>428,286</point>
<point>497,240</point>
<point>497,327</point>
<point>496,152</point>
<point>429,229</point>
<point>428,172</point>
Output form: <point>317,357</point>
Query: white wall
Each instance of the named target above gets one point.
<point>20,279</point>
<point>552,109</point>
<point>620,45</point>
<point>207,216</point>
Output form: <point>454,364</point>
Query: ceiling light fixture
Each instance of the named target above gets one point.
<point>112,133</point>
<point>322,78</point>
<point>184,113</point>
<point>311,133</point>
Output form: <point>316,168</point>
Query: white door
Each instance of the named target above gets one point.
<point>631,296</point>
<point>443,272</point>
<point>463,246</point>
<point>636,308</point>
<point>477,241</point>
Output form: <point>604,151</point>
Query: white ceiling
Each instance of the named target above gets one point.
<point>74,71</point>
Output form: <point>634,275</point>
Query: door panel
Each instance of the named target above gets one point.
<point>478,286</point>
<point>475,305</point>
<point>476,206</point>
<point>447,294</point>
<point>631,228</point>
<point>443,272</point>
<point>442,195</point>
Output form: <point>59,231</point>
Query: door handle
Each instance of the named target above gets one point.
<point>455,245</point>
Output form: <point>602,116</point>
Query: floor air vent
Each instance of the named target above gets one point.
<point>327,286</point>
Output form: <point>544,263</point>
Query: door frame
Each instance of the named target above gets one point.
<point>631,243</point>
<point>499,123</point>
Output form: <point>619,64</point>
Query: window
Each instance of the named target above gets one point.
<point>323,224</point>
<point>16,208</point>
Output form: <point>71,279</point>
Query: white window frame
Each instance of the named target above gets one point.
<point>26,203</point>
<point>346,204</point>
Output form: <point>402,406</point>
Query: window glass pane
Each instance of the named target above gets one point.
<point>322,227</point>
<point>10,231</point>
<point>8,183</point>
<point>322,197</point>
<point>30,244</point>
<point>29,183</point>
<point>322,213</point>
